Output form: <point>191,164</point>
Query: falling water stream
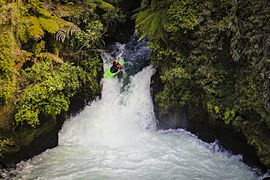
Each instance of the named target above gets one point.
<point>116,137</point>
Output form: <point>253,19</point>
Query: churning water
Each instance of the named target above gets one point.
<point>116,137</point>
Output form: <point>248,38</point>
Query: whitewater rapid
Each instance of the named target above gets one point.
<point>116,137</point>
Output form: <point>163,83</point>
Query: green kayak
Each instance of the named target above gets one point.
<point>109,74</point>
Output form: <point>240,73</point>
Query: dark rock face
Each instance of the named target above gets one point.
<point>2,165</point>
<point>30,143</point>
<point>199,124</point>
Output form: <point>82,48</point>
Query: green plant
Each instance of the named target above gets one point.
<point>50,87</point>
<point>4,143</point>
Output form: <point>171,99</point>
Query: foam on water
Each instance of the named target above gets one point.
<point>116,137</point>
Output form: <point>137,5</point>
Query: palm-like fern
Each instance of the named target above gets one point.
<point>49,25</point>
<point>66,30</point>
<point>152,22</point>
<point>35,31</point>
<point>46,21</point>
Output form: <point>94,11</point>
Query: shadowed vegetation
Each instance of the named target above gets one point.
<point>213,57</point>
<point>48,54</point>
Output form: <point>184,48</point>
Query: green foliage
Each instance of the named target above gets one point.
<point>215,59</point>
<point>92,35</point>
<point>176,90</point>
<point>9,13</point>
<point>46,38</point>
<point>66,31</point>
<point>152,23</point>
<point>106,6</point>
<point>50,87</point>
<point>7,67</point>
<point>39,47</point>
<point>183,15</point>
<point>35,31</point>
<point>4,143</point>
<point>49,57</point>
<point>7,90</point>
<point>159,18</point>
<point>22,32</point>
<point>49,25</point>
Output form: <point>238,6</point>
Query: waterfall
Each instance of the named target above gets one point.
<point>116,137</point>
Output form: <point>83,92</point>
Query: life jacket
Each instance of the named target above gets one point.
<point>118,65</point>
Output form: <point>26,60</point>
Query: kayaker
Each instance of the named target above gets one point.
<point>115,67</point>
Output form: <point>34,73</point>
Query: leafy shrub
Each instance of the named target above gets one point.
<point>7,67</point>
<point>48,91</point>
<point>4,143</point>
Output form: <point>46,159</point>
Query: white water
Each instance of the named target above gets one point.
<point>116,138</point>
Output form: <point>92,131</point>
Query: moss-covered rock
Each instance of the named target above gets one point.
<point>50,67</point>
<point>213,58</point>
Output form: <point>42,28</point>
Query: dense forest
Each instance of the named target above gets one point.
<point>49,53</point>
<point>212,56</point>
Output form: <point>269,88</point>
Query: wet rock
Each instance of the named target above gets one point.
<point>2,165</point>
<point>197,122</point>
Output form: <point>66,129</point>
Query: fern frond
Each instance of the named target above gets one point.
<point>61,36</point>
<point>142,36</point>
<point>141,15</point>
<point>35,31</point>
<point>51,57</point>
<point>71,28</point>
<point>152,23</point>
<point>49,25</point>
<point>106,6</point>
<point>156,22</point>
<point>42,12</point>
<point>145,17</point>
<point>67,29</point>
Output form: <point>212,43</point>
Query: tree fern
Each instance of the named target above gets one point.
<point>35,31</point>
<point>61,35</point>
<point>36,6</point>
<point>66,30</point>
<point>49,25</point>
